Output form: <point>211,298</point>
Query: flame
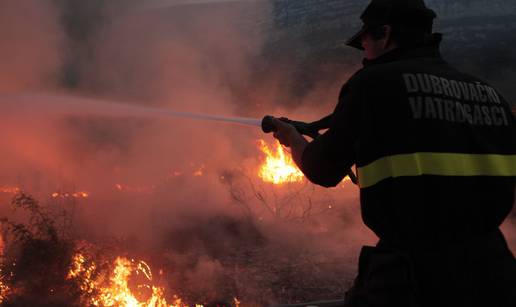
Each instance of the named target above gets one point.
<point>4,290</point>
<point>80,194</point>
<point>9,189</point>
<point>83,271</point>
<point>16,190</point>
<point>278,167</point>
<point>117,291</point>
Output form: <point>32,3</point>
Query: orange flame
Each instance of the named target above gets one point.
<point>9,189</point>
<point>4,291</point>
<point>80,194</point>
<point>278,167</point>
<point>83,271</point>
<point>118,292</point>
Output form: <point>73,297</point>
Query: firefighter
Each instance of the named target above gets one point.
<point>435,152</point>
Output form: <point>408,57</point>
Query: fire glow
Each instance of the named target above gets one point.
<point>278,167</point>
<point>141,189</point>
<point>15,190</point>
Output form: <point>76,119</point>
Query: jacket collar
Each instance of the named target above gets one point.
<point>431,49</point>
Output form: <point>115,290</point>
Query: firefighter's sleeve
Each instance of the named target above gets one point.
<point>328,158</point>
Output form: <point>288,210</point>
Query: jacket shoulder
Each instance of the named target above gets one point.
<point>383,76</point>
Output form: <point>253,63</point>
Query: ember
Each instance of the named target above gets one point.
<point>200,171</point>
<point>135,189</point>
<point>4,288</point>
<point>278,167</point>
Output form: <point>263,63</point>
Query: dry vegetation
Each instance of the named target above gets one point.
<point>216,261</point>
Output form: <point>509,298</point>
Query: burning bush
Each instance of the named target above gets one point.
<point>41,266</point>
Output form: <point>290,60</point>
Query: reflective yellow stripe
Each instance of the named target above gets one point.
<point>443,164</point>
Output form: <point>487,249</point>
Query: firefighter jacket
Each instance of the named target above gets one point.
<point>435,149</point>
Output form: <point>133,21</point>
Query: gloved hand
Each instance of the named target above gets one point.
<point>285,132</point>
<point>308,129</point>
<point>304,128</point>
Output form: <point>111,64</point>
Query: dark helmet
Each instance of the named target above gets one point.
<point>410,13</point>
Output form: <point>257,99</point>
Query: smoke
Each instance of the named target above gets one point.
<point>31,40</point>
<point>180,191</point>
<point>183,193</point>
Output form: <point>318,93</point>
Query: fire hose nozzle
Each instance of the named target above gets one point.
<point>267,125</point>
<point>301,127</point>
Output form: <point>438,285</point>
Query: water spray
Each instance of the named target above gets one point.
<point>63,105</point>
<point>66,105</point>
<point>246,121</point>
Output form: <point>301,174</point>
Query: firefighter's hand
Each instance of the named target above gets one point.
<point>307,129</point>
<point>285,133</point>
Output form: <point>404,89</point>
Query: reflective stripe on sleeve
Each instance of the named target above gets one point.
<point>441,164</point>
